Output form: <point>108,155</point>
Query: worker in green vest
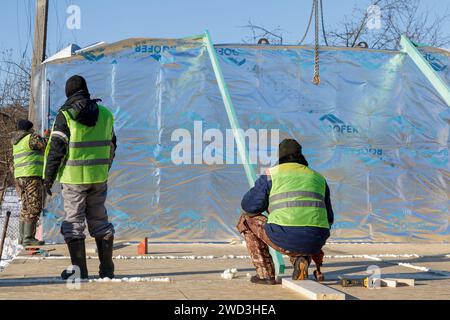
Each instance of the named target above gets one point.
<point>28,153</point>
<point>297,199</point>
<point>79,155</point>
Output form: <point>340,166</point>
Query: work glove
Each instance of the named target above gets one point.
<point>48,187</point>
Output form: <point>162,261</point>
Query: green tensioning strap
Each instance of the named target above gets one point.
<point>238,134</point>
<point>438,83</point>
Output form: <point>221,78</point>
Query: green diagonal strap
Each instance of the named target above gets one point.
<point>238,135</point>
<point>438,83</point>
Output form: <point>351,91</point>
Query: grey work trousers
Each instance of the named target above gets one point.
<point>85,203</point>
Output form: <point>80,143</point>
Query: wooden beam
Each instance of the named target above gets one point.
<point>407,282</point>
<point>313,290</point>
<point>39,47</point>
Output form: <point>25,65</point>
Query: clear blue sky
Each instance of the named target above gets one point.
<point>113,20</point>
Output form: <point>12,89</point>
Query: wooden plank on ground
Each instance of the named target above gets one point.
<point>391,283</point>
<point>312,289</point>
<point>408,282</point>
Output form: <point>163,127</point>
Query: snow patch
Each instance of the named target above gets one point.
<point>229,274</point>
<point>425,269</point>
<point>372,256</point>
<point>131,279</point>
<point>363,243</point>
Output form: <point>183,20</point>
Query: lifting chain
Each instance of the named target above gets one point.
<point>316,79</point>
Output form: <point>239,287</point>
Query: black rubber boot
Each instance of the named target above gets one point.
<point>301,266</point>
<point>257,280</point>
<point>77,252</point>
<point>29,233</point>
<point>318,275</point>
<point>21,224</point>
<point>105,252</point>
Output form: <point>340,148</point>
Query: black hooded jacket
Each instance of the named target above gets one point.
<point>83,110</point>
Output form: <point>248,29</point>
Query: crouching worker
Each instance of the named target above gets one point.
<point>79,155</point>
<point>28,153</point>
<point>300,216</point>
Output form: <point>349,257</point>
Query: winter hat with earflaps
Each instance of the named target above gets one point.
<point>24,125</point>
<point>291,151</point>
<point>75,84</point>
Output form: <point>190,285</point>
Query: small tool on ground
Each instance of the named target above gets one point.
<point>367,282</point>
<point>354,281</point>
<point>33,251</point>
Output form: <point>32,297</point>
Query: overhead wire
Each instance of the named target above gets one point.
<point>323,24</point>
<point>309,24</point>
<point>58,29</point>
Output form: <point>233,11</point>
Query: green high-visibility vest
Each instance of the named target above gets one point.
<point>89,156</point>
<point>297,196</point>
<point>27,162</point>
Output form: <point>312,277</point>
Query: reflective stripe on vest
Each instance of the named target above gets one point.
<point>27,162</point>
<point>296,204</point>
<point>89,155</point>
<point>297,196</point>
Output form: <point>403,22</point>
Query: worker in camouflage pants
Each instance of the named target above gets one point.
<point>28,151</point>
<point>297,199</point>
<point>252,227</point>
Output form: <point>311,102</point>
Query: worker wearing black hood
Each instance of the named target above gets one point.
<point>300,215</point>
<point>79,155</point>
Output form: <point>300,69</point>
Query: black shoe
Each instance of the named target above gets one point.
<point>319,276</point>
<point>105,252</point>
<point>77,252</point>
<point>301,266</point>
<point>29,233</point>
<point>256,279</point>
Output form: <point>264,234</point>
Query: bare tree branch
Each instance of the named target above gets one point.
<point>397,17</point>
<point>15,75</point>
<point>274,36</point>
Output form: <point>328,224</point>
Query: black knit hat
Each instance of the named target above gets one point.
<point>289,147</point>
<point>24,125</point>
<point>74,84</point>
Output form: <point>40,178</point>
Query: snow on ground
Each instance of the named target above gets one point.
<point>229,274</point>
<point>131,279</point>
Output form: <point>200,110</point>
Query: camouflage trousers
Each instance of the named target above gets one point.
<point>258,243</point>
<point>30,192</point>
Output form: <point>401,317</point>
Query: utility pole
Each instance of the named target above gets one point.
<point>39,47</point>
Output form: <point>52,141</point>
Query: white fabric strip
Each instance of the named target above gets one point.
<point>61,135</point>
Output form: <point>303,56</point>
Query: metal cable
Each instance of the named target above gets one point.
<point>309,24</point>
<point>323,24</point>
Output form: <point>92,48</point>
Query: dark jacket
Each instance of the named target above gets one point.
<point>308,240</point>
<point>83,110</point>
